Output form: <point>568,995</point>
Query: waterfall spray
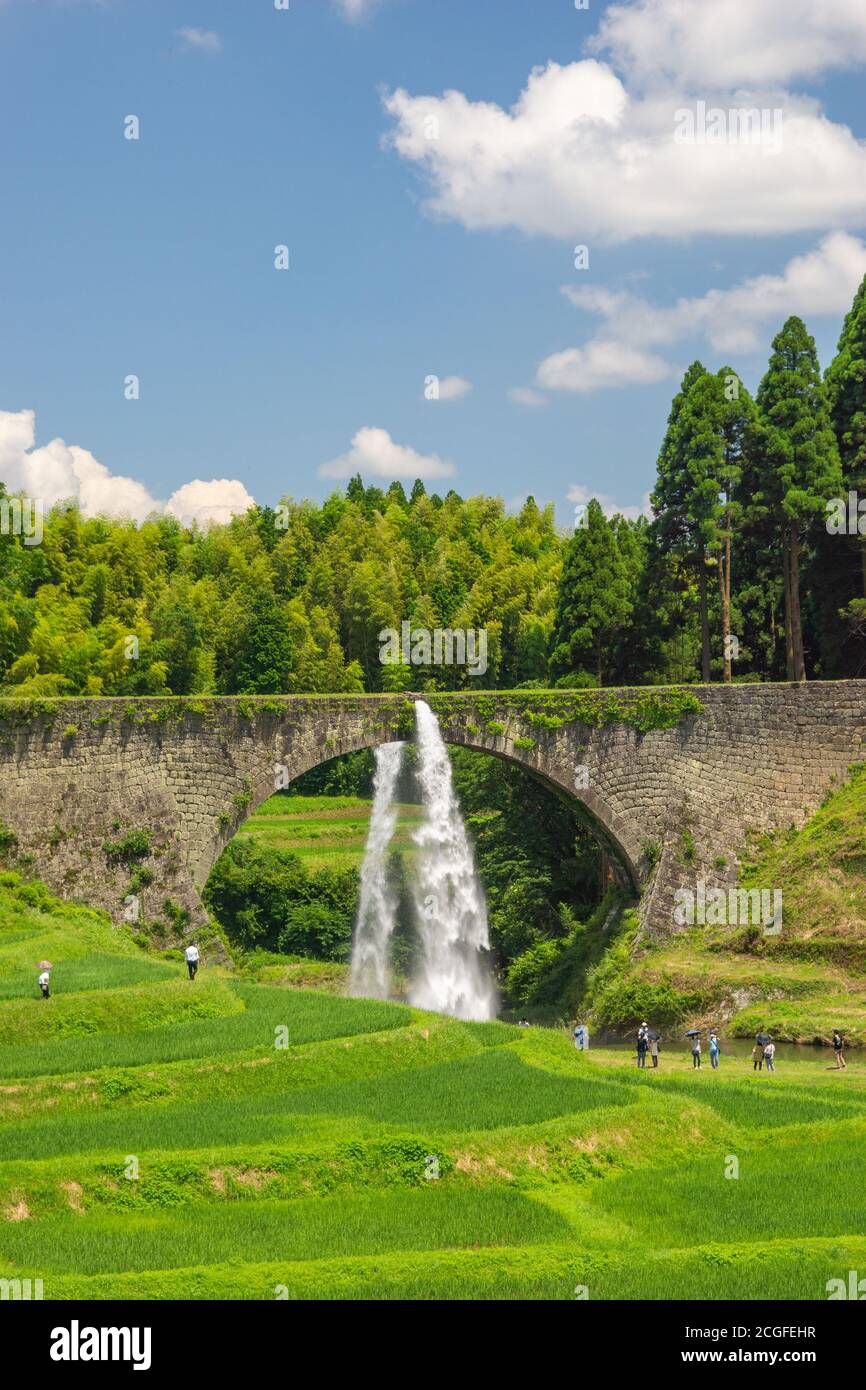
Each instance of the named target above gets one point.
<point>454,977</point>
<point>377,902</point>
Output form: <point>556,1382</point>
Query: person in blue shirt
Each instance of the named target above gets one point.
<point>714,1050</point>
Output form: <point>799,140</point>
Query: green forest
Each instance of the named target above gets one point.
<point>746,570</point>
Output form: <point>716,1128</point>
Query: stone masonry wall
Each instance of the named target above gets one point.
<point>81,774</point>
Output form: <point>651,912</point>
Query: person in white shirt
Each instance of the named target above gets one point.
<point>192,958</point>
<point>43,985</point>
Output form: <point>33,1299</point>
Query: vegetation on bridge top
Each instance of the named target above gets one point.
<point>645,709</point>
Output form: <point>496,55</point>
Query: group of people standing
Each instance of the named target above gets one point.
<point>714,1050</point>
<point>764,1052</point>
<point>647,1042</point>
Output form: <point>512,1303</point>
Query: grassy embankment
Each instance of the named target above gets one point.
<point>226,1139</point>
<point>799,985</point>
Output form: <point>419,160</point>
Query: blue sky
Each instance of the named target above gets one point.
<point>261,127</point>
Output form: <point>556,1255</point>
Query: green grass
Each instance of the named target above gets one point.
<point>89,972</point>
<point>307,1229</point>
<point>325,831</point>
<point>131,1010</point>
<point>800,985</point>
<point>781,1191</point>
<point>155,1142</point>
<point>307,1018</point>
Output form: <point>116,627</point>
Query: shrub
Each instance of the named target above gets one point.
<point>133,846</point>
<point>8,840</point>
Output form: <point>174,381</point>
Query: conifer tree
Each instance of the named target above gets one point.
<point>593,603</point>
<point>797,463</point>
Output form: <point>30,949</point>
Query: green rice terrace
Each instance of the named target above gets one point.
<point>326,832</point>
<point>241,1140</point>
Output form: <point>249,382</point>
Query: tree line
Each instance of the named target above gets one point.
<point>736,575</point>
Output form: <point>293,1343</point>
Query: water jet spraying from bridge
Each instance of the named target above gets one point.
<point>377,900</point>
<point>453,974</point>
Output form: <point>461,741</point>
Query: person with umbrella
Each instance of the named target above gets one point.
<point>653,1034</point>
<point>44,966</point>
<point>761,1040</point>
<point>695,1035</point>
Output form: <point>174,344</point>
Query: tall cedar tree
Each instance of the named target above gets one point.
<point>593,603</point>
<point>844,557</point>
<point>686,497</point>
<point>736,414</point>
<point>797,463</point>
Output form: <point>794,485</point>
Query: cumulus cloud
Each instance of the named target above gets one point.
<point>580,496</point>
<point>736,320</point>
<point>583,153</point>
<point>217,501</point>
<point>601,364</point>
<point>57,471</point>
<point>729,43</point>
<point>374,454</point>
<point>452,388</point>
<point>524,395</point>
<point>205,40</point>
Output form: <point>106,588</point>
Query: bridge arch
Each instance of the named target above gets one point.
<point>78,776</point>
<point>612,833</point>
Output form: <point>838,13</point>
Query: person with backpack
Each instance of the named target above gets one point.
<point>769,1054</point>
<point>642,1044</point>
<point>714,1051</point>
<point>838,1048</point>
<point>192,958</point>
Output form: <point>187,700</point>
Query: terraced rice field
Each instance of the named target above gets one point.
<point>224,1139</point>
<point>326,832</point>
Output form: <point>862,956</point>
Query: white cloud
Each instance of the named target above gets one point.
<point>216,500</point>
<point>355,9</point>
<point>524,395</point>
<point>819,282</point>
<point>731,43</point>
<point>452,388</point>
<point>57,471</point>
<point>581,154</point>
<point>206,40</point>
<point>601,364</point>
<point>578,494</point>
<point>374,454</point>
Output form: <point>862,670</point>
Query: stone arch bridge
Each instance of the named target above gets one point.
<point>653,770</point>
